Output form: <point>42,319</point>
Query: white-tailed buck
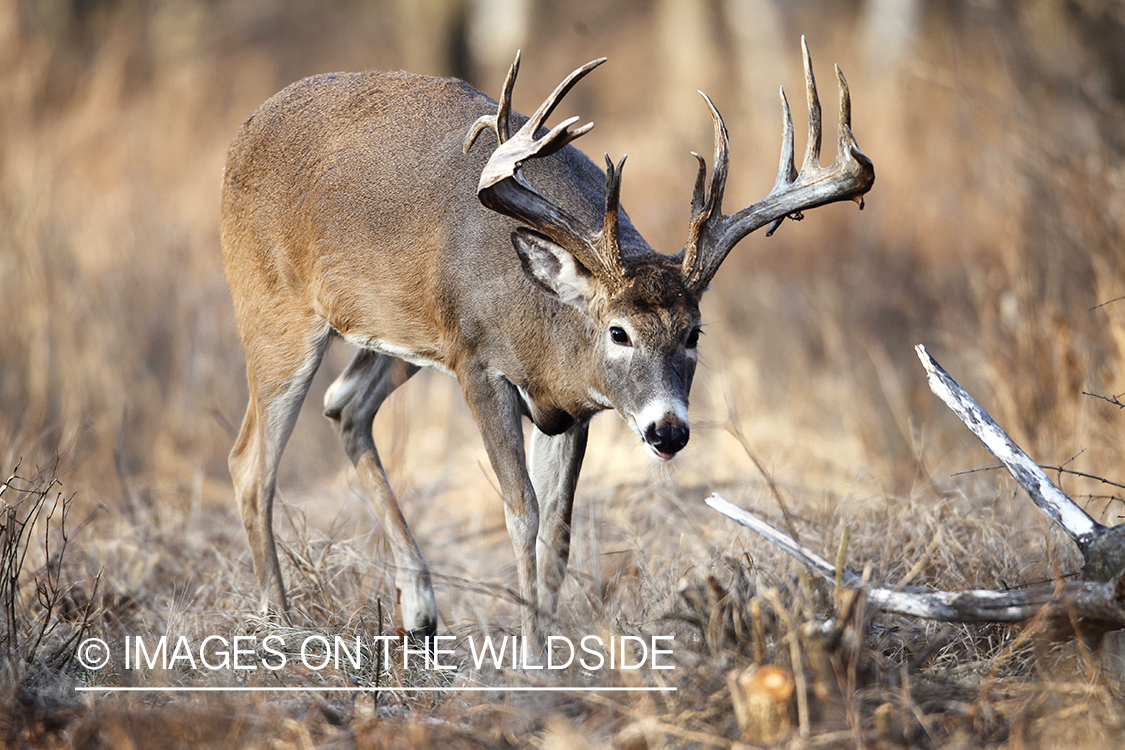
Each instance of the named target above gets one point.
<point>373,206</point>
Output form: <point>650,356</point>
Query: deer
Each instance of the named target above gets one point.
<point>368,207</point>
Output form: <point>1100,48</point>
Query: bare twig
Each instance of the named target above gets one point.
<point>821,566</point>
<point>1107,302</point>
<point>1045,467</point>
<point>1084,475</point>
<point>734,427</point>
<point>1115,400</point>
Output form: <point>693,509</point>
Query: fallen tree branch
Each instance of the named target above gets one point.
<point>1080,607</point>
<point>1102,547</point>
<point>1053,501</point>
<point>1092,606</point>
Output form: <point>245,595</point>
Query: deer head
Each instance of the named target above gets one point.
<point>643,308</point>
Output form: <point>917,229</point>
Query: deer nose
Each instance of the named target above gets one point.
<point>667,439</point>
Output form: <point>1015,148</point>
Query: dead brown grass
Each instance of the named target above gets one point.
<point>993,236</point>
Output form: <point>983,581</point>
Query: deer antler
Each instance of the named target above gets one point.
<point>711,235</point>
<point>504,189</point>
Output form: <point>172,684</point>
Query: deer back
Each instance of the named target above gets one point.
<point>351,193</point>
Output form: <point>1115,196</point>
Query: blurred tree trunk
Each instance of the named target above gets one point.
<point>429,38</point>
<point>763,52</point>
<point>496,29</point>
<point>686,33</point>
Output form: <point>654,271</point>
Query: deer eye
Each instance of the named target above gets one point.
<point>618,336</point>
<point>693,338</point>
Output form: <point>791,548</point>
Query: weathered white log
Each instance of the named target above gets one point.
<point>1088,601</point>
<point>1102,547</point>
<point>1092,605</point>
<point>1053,501</point>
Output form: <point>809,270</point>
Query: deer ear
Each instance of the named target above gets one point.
<point>553,268</point>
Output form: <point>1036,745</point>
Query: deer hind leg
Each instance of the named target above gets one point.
<point>351,403</point>
<point>280,367</point>
<point>555,461</point>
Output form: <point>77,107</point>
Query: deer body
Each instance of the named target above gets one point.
<point>348,197</point>
<point>354,204</point>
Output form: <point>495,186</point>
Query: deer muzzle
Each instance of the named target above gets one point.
<point>666,440</point>
<point>663,427</point>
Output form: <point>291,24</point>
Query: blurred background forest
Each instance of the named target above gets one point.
<point>993,235</point>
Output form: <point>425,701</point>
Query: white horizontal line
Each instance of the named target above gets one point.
<point>499,689</point>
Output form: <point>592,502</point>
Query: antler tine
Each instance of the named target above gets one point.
<point>613,186</point>
<point>504,110</point>
<point>844,138</point>
<point>721,163</point>
<point>707,204</point>
<point>786,170</point>
<point>812,149</point>
<point>846,146</point>
<point>552,101</point>
<point>560,135</point>
<point>698,195</point>
<point>610,256</point>
<point>498,121</point>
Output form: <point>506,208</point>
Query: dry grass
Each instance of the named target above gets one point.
<point>993,235</point>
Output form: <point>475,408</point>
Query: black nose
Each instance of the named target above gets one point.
<point>667,439</point>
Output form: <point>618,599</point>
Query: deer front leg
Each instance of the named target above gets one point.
<point>495,404</point>
<point>555,462</point>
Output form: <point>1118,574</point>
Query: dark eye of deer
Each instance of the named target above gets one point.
<point>693,339</point>
<point>618,336</point>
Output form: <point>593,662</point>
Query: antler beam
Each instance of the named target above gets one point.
<point>504,189</point>
<point>712,235</point>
